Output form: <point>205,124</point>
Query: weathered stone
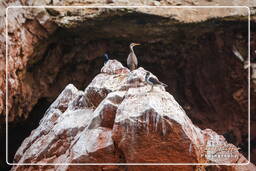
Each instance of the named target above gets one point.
<point>126,126</point>
<point>50,48</point>
<point>30,28</point>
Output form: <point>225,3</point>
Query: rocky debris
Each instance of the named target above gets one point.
<point>131,125</point>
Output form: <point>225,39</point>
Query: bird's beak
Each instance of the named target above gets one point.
<point>135,44</point>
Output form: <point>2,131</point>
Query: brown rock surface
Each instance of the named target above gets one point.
<point>127,124</point>
<point>32,41</point>
<point>50,48</point>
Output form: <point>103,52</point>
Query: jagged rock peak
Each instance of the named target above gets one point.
<point>118,120</point>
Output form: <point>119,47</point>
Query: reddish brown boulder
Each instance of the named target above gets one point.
<point>123,125</point>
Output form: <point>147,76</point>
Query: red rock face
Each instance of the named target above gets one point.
<point>204,76</point>
<point>124,125</point>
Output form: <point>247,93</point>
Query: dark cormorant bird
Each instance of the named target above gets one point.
<point>153,81</point>
<point>132,61</point>
<point>106,58</point>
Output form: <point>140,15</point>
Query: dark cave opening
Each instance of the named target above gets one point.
<point>195,60</point>
<point>18,131</point>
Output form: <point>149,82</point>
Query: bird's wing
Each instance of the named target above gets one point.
<point>135,59</point>
<point>129,60</point>
<point>154,80</point>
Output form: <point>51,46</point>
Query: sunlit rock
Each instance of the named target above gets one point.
<point>131,125</point>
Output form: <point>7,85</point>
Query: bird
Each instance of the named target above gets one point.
<point>106,58</point>
<point>153,81</point>
<point>132,61</point>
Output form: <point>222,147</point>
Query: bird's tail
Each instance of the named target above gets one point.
<point>164,84</point>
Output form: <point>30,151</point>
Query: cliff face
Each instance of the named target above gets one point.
<point>117,119</point>
<point>189,49</point>
<point>43,41</point>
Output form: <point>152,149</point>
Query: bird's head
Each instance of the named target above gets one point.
<point>134,44</point>
<point>106,56</point>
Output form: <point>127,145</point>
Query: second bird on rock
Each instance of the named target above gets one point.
<point>106,58</point>
<point>153,81</point>
<point>132,61</point>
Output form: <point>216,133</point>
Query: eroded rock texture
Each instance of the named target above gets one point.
<point>50,47</point>
<point>193,51</point>
<point>118,120</point>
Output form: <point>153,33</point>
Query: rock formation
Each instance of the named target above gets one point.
<point>118,120</point>
<point>34,36</point>
<point>52,47</point>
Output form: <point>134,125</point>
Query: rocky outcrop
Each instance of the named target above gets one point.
<point>32,41</point>
<point>118,120</point>
<point>51,47</point>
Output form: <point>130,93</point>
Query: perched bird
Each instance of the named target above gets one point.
<point>106,58</point>
<point>153,81</point>
<point>132,61</point>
